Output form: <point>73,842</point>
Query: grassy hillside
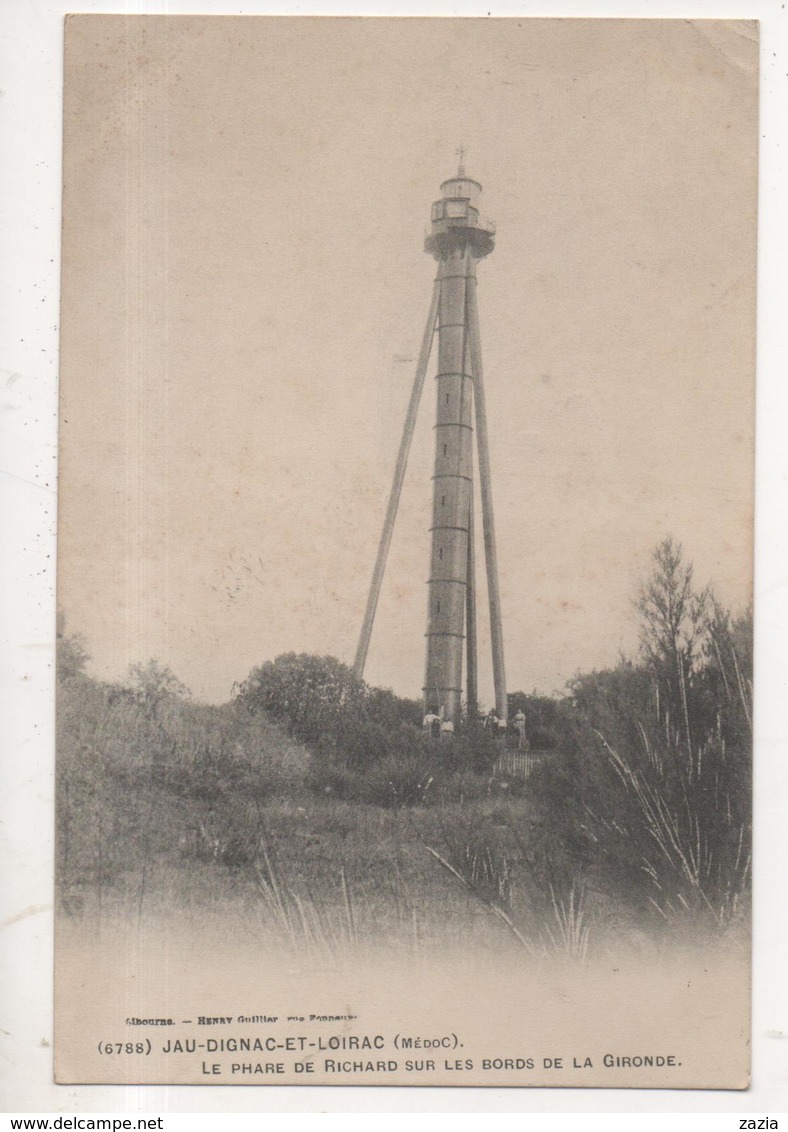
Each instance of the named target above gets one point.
<point>314,808</point>
<point>168,806</point>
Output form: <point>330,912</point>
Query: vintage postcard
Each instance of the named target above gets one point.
<point>405,552</point>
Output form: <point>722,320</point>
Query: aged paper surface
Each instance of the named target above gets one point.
<point>268,873</point>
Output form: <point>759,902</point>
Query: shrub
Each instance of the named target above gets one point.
<point>72,653</point>
<point>333,780</point>
<point>317,698</point>
<point>650,800</point>
<point>321,702</point>
<point>399,781</point>
<point>140,777</point>
<point>473,751</point>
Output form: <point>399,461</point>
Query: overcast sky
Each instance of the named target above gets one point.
<point>245,292</point>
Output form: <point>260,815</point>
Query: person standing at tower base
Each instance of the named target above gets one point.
<point>519,723</point>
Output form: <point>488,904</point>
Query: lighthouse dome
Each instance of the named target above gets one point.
<point>455,221</point>
<point>462,188</point>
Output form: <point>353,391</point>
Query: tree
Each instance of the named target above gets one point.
<point>727,674</point>
<point>151,684</point>
<point>71,653</point>
<point>323,704</point>
<point>316,697</point>
<point>650,799</point>
<point>674,616</point>
<point>674,627</point>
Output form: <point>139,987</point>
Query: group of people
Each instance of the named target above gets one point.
<point>438,726</point>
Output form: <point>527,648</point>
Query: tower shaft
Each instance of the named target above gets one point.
<point>452,487</point>
<point>456,238</point>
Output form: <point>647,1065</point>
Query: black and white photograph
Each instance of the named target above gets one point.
<point>405,552</point>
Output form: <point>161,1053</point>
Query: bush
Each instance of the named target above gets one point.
<point>650,800</point>
<point>142,772</point>
<point>399,781</point>
<point>318,699</point>
<point>334,781</point>
<point>321,702</point>
<point>473,751</point>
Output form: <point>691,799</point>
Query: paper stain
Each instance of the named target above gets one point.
<point>25,913</point>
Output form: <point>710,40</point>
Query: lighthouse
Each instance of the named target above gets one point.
<point>457,237</point>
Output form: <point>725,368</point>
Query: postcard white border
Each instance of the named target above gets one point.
<point>30,125</point>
